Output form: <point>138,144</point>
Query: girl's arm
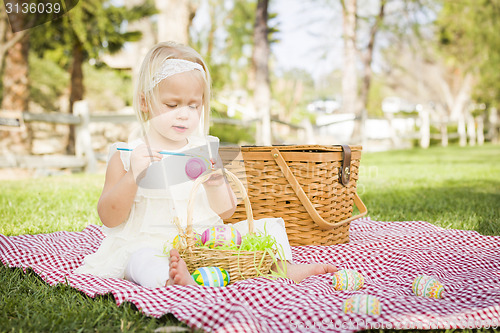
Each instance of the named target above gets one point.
<point>220,195</point>
<point>117,194</point>
<point>120,186</point>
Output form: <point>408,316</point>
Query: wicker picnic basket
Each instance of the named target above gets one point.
<point>239,264</point>
<point>312,187</point>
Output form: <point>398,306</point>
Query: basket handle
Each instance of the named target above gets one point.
<point>201,179</point>
<point>322,224</point>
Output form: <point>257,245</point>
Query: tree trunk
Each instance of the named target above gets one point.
<point>349,73</point>
<point>362,112</point>
<point>175,18</point>
<point>76,90</point>
<point>260,60</point>
<point>16,93</point>
<point>7,38</point>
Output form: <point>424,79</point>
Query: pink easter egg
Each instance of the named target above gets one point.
<point>221,235</point>
<point>195,167</point>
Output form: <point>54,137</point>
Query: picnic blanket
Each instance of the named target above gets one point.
<point>389,255</point>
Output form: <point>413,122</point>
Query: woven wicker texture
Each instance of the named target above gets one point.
<point>240,265</point>
<point>316,169</point>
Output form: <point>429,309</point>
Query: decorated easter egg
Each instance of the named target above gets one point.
<point>362,304</point>
<point>194,168</point>
<point>221,235</point>
<point>211,277</point>
<point>197,239</point>
<point>427,286</point>
<point>348,279</point>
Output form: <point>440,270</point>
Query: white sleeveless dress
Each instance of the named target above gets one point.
<point>150,222</point>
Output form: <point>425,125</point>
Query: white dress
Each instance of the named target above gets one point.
<point>150,222</point>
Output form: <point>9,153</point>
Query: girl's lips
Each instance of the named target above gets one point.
<point>180,128</point>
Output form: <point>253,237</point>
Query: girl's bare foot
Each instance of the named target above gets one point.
<point>179,273</point>
<point>299,272</point>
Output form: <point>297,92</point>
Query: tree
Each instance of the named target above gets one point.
<point>260,61</point>
<point>360,35</point>
<point>7,37</point>
<point>87,31</point>
<point>14,69</point>
<point>349,73</point>
<point>468,37</point>
<point>175,18</point>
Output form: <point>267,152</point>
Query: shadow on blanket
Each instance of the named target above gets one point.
<point>389,255</point>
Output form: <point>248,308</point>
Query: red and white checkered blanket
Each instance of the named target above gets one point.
<point>389,255</point>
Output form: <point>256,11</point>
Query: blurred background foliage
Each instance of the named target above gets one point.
<point>425,51</point>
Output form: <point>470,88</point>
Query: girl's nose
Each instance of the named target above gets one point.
<point>182,112</point>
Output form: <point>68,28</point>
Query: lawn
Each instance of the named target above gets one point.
<point>452,188</point>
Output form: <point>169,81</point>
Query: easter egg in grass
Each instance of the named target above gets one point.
<point>211,277</point>
<point>221,235</point>
<point>362,304</point>
<point>177,244</point>
<point>427,286</point>
<point>348,279</point>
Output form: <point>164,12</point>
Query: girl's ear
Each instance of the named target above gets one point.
<point>144,105</point>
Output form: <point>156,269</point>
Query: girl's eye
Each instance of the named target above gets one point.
<point>193,106</point>
<point>171,105</point>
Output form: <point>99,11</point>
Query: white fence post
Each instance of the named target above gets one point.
<point>480,130</point>
<point>493,120</point>
<point>83,140</point>
<point>471,129</point>
<point>425,127</point>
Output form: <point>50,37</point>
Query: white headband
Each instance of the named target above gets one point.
<point>171,67</point>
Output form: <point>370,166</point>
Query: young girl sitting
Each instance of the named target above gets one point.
<point>171,100</point>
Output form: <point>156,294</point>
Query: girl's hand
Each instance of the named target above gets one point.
<point>218,178</point>
<point>140,159</point>
<point>215,180</point>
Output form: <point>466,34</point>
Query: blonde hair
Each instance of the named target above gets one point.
<point>148,98</point>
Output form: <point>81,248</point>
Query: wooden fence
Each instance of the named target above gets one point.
<point>86,159</point>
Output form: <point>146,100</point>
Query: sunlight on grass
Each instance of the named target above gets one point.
<point>43,205</point>
<point>450,187</point>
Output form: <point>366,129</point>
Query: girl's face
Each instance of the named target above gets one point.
<point>177,114</point>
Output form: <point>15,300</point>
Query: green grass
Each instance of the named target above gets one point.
<point>29,304</point>
<point>43,205</point>
<point>450,187</point>
<point>453,188</point>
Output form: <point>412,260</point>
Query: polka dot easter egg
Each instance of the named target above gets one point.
<point>176,243</point>
<point>362,304</point>
<point>348,279</point>
<point>211,277</point>
<point>427,286</point>
<point>221,235</point>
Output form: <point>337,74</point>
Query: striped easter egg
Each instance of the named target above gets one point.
<point>427,286</point>
<point>221,235</point>
<point>211,277</point>
<point>348,279</point>
<point>178,245</point>
<point>362,304</point>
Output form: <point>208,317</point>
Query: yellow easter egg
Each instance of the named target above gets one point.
<point>362,304</point>
<point>348,279</point>
<point>177,244</point>
<point>427,286</point>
